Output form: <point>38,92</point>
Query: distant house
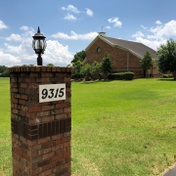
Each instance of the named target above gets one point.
<point>125,55</point>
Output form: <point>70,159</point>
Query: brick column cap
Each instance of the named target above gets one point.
<point>39,69</point>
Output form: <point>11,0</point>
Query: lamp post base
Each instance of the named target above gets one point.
<point>39,60</point>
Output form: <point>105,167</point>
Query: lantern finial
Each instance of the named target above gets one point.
<point>38,31</point>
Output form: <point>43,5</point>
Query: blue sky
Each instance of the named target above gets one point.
<point>70,26</point>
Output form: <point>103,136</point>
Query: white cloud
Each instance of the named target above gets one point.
<point>165,30</point>
<point>115,21</point>
<point>14,37</point>
<point>24,28</point>
<point>57,54</point>
<point>13,48</point>
<point>3,25</point>
<point>72,12</point>
<point>8,59</point>
<point>75,36</point>
<point>21,53</point>
<point>71,8</point>
<point>70,17</point>
<point>157,35</point>
<point>18,53</point>
<point>89,12</point>
<point>154,44</point>
<point>139,34</point>
<point>158,22</point>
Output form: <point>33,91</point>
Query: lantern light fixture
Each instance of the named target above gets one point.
<point>39,45</point>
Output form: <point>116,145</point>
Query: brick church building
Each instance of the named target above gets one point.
<point>125,55</point>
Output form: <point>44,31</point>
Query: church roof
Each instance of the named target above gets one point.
<point>136,48</point>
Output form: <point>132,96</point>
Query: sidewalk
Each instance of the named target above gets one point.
<point>171,172</point>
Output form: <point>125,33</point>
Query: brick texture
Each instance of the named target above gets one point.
<point>122,59</point>
<point>41,132</point>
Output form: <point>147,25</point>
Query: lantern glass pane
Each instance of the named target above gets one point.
<point>44,45</point>
<point>39,44</point>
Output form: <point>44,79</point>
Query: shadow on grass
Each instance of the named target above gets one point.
<point>166,79</point>
<point>95,81</point>
<point>102,80</point>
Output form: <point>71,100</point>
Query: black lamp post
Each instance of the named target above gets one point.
<point>39,45</point>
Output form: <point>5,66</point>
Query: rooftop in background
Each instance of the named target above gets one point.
<point>138,49</point>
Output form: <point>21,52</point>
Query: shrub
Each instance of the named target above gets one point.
<point>122,76</point>
<point>128,75</point>
<point>87,71</point>
<point>116,76</point>
<point>106,66</point>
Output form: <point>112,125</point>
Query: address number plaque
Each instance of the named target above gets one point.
<point>52,92</point>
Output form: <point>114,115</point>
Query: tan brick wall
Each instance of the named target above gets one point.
<point>41,132</point>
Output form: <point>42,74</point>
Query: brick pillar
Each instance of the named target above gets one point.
<point>41,132</point>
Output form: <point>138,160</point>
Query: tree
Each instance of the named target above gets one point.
<point>96,70</point>
<point>87,71</point>
<point>4,71</point>
<point>146,62</point>
<point>79,56</point>
<point>167,57</point>
<point>106,66</point>
<point>77,69</point>
<point>50,65</point>
<point>2,68</point>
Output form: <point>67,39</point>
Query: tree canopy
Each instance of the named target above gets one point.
<point>167,57</point>
<point>80,56</point>
<point>50,65</point>
<point>4,72</point>
<point>93,70</point>
<point>77,68</point>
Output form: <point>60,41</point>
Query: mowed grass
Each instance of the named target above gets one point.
<point>123,128</point>
<point>5,129</point>
<point>119,128</point>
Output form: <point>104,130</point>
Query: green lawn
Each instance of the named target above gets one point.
<point>123,128</point>
<point>119,128</point>
<point>5,131</point>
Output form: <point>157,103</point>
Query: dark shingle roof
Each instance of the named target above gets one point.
<point>136,48</point>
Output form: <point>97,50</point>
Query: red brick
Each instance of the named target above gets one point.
<point>47,107</point>
<point>48,155</point>
<point>67,109</point>
<point>43,113</point>
<point>23,85</point>
<point>24,97</point>
<point>61,116</point>
<point>29,155</point>
<point>47,118</point>
<point>118,55</point>
<point>57,157</point>
<point>49,166</point>
<point>45,151</point>
<point>35,109</point>
<point>44,140</point>
<point>46,173</point>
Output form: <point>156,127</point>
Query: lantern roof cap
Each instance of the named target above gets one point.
<point>38,34</point>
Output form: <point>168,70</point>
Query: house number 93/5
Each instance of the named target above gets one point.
<point>52,92</point>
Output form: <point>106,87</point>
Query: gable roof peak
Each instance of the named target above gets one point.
<point>102,33</point>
